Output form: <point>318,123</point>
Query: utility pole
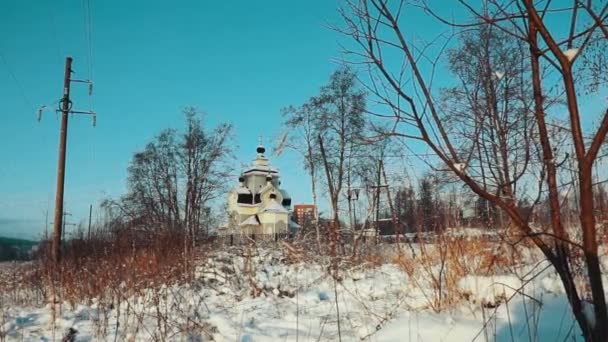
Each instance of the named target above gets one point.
<point>396,229</point>
<point>353,194</point>
<point>90,214</point>
<point>46,223</point>
<point>63,137</point>
<point>65,109</point>
<point>63,226</point>
<point>378,185</point>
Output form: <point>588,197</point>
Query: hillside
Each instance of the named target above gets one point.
<point>15,249</point>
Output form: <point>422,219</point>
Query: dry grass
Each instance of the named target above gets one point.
<point>113,269</point>
<point>106,261</point>
<point>438,267</point>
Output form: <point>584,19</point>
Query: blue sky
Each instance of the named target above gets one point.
<point>238,61</point>
<point>235,60</point>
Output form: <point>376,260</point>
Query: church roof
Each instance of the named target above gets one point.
<point>274,207</point>
<point>266,188</point>
<point>242,190</point>
<point>294,225</point>
<point>260,164</point>
<point>260,169</point>
<point>284,193</point>
<point>250,221</point>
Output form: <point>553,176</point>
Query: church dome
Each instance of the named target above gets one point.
<point>261,165</point>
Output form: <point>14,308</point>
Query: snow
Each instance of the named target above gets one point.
<point>571,54</point>
<point>489,290</point>
<point>297,301</point>
<point>471,232</point>
<point>460,167</point>
<point>250,221</point>
<point>241,190</point>
<point>275,207</point>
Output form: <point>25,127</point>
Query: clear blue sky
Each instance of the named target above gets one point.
<point>239,61</point>
<point>236,60</point>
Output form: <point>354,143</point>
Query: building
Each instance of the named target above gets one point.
<point>304,213</point>
<point>258,205</point>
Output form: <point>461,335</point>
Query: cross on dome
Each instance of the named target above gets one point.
<point>260,149</point>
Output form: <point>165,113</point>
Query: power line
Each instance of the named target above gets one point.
<point>54,32</point>
<point>19,86</point>
<point>86,7</point>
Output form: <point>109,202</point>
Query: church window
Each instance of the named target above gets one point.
<point>244,199</point>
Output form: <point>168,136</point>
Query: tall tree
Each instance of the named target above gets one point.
<point>203,156</point>
<point>301,123</point>
<point>426,204</point>
<point>341,106</point>
<point>173,181</point>
<point>405,207</point>
<point>550,44</point>
<point>488,113</point>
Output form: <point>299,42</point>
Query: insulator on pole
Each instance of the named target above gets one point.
<point>40,112</point>
<point>90,88</point>
<point>94,119</point>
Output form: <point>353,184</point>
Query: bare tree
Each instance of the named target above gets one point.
<point>203,156</point>
<point>341,106</point>
<point>405,90</point>
<point>488,114</point>
<point>334,120</point>
<point>302,124</point>
<point>174,180</point>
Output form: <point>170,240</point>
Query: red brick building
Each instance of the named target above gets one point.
<point>304,213</point>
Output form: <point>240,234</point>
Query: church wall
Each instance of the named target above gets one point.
<point>255,179</point>
<point>274,222</point>
<point>247,210</point>
<point>255,182</point>
<point>266,196</point>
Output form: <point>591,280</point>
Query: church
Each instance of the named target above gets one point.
<point>258,205</point>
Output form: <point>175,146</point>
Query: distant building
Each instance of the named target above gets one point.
<point>258,205</point>
<point>304,213</point>
<point>386,226</point>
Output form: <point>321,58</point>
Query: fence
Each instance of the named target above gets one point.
<point>345,238</point>
<point>240,239</point>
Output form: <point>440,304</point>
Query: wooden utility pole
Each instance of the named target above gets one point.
<point>63,137</point>
<point>65,108</point>
<point>396,226</point>
<point>90,214</point>
<point>64,223</point>
<point>46,224</point>
<point>378,185</point>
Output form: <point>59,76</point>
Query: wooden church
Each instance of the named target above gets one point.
<point>258,205</point>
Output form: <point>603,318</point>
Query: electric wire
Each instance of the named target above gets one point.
<point>17,83</point>
<point>53,31</point>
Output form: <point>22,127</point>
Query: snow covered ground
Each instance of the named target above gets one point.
<point>263,295</point>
